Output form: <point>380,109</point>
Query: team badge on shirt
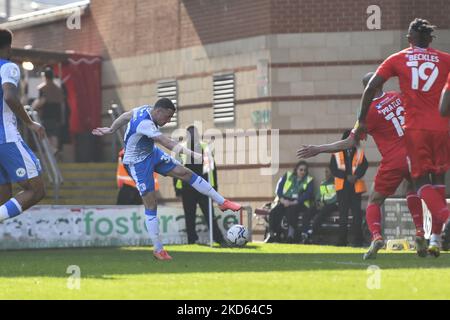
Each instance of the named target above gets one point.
<point>21,172</point>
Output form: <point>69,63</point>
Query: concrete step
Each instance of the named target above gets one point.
<point>77,202</point>
<point>87,183</point>
<point>84,184</point>
<point>88,166</point>
<point>83,193</point>
<point>88,171</point>
<point>88,175</point>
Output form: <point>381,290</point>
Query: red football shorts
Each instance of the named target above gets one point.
<point>428,151</point>
<point>390,176</point>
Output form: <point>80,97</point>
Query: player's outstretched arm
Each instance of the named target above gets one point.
<point>12,99</point>
<point>444,107</point>
<point>118,123</point>
<point>176,147</point>
<point>369,93</point>
<point>309,151</point>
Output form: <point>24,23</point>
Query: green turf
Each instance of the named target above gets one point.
<point>259,271</point>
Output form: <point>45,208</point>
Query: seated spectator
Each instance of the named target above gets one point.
<point>326,202</point>
<point>295,194</point>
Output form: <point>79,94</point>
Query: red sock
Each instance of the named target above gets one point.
<point>373,217</point>
<point>439,212</point>
<point>415,208</point>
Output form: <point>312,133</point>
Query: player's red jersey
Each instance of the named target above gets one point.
<point>384,123</point>
<point>422,74</point>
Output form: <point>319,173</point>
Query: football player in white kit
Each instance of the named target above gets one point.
<point>18,164</point>
<point>142,158</point>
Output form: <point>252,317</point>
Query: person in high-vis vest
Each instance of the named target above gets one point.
<point>191,197</point>
<point>128,193</point>
<point>295,195</point>
<point>348,168</point>
<point>326,202</point>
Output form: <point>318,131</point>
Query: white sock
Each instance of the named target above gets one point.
<point>10,209</point>
<point>152,224</point>
<point>202,186</point>
<point>3,213</point>
<point>435,239</point>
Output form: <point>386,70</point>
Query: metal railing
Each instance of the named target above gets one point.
<point>46,156</point>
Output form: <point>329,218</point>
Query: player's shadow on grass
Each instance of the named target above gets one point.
<point>111,262</point>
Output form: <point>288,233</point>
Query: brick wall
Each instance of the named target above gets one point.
<point>57,37</point>
<point>113,29</point>
<point>350,15</point>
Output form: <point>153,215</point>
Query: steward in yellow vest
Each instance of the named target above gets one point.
<point>295,195</point>
<point>291,187</point>
<point>327,202</point>
<point>208,169</point>
<point>348,168</point>
<point>357,163</point>
<point>328,192</point>
<point>191,197</point>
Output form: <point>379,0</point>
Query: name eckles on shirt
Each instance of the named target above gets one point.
<point>423,57</point>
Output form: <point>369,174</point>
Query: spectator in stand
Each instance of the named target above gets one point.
<point>295,194</point>
<point>50,107</point>
<point>326,202</point>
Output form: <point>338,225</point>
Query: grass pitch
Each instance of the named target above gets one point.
<point>258,271</point>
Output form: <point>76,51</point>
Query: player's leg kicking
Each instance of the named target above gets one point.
<point>162,163</point>
<point>204,187</point>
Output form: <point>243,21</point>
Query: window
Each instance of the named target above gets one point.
<point>169,89</point>
<point>224,98</point>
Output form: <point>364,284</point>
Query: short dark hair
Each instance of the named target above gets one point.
<point>421,26</point>
<point>165,103</point>
<point>367,78</point>
<point>5,38</point>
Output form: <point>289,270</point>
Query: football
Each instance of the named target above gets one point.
<point>237,235</point>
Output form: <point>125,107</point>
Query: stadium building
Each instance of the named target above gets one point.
<point>290,65</point>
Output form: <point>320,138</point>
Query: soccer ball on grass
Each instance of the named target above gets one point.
<point>237,235</point>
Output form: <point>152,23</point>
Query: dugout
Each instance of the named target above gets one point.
<point>79,76</point>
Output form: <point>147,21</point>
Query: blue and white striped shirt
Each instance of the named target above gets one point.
<point>139,136</point>
<point>9,73</point>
